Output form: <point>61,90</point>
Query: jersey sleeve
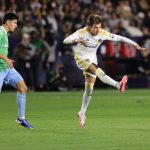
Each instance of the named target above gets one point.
<point>71,38</point>
<point>114,37</point>
<point>1,35</point>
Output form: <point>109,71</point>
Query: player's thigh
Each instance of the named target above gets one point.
<point>1,81</point>
<point>15,79</point>
<point>3,74</point>
<point>92,68</point>
<point>82,63</point>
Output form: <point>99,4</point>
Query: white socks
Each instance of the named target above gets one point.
<point>86,97</point>
<point>106,79</point>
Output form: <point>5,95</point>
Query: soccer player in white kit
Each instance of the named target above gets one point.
<point>87,41</point>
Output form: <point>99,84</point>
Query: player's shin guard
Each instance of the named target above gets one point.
<point>21,102</point>
<point>106,79</point>
<point>86,96</point>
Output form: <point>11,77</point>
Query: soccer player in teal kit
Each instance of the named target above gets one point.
<point>8,74</point>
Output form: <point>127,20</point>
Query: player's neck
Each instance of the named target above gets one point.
<point>88,29</point>
<point>6,27</point>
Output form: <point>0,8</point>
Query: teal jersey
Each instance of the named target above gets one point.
<point>3,48</point>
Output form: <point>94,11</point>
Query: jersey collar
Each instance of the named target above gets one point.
<point>4,29</point>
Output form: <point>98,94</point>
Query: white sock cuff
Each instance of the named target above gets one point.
<point>89,85</point>
<point>99,71</point>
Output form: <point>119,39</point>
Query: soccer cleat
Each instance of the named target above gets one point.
<point>82,119</point>
<point>24,123</point>
<point>123,83</point>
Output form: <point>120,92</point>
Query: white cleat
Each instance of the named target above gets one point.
<point>82,119</point>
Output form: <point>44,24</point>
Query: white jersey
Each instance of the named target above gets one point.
<point>88,51</point>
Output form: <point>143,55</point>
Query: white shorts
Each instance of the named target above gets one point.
<point>84,63</point>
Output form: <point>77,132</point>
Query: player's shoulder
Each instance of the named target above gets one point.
<point>104,33</point>
<point>82,31</point>
<point>1,30</point>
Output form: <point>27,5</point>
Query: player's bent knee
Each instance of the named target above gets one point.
<point>23,89</point>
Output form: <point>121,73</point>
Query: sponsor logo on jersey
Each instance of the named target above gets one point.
<point>100,40</point>
<point>89,46</point>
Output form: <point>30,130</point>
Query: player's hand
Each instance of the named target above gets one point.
<point>79,41</point>
<point>9,62</point>
<point>140,48</point>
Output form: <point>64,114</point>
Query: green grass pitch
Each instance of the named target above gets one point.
<point>115,121</point>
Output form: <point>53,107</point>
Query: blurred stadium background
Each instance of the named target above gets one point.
<point>46,64</point>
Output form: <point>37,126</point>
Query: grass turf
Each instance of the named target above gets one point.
<point>115,121</point>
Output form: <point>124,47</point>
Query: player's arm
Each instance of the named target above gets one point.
<point>74,39</point>
<point>7,60</point>
<point>126,40</point>
<point>115,37</point>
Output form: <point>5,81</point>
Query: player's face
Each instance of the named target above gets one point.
<point>12,25</point>
<point>95,28</point>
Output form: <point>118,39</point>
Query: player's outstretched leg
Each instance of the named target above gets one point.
<point>106,79</point>
<point>121,86</point>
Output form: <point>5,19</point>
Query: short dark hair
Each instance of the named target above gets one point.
<point>9,16</point>
<point>94,19</point>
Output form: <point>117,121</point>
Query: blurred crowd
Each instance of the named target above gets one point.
<point>37,44</point>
